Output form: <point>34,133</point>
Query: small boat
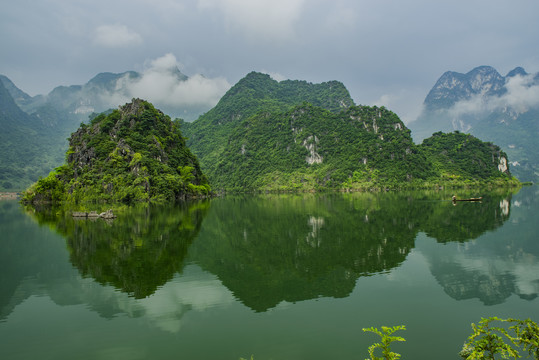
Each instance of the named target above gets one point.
<point>454,198</point>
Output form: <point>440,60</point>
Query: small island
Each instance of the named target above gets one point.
<point>135,153</point>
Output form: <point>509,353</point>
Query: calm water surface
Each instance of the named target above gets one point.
<point>280,277</point>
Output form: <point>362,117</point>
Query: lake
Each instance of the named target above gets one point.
<point>283,277</point>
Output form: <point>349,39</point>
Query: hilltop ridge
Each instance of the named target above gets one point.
<point>293,135</point>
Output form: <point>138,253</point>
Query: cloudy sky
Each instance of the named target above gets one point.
<point>386,52</point>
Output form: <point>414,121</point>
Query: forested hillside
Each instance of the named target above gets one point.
<point>308,147</point>
<point>136,153</point>
<point>262,135</point>
<point>208,136</point>
<point>28,146</point>
<point>292,135</point>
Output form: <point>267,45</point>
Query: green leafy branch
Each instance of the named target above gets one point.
<point>387,338</point>
<point>487,340</point>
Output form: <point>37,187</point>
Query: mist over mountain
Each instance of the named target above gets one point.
<point>161,82</point>
<point>501,109</point>
<point>40,124</point>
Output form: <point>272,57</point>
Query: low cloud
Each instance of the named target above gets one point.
<point>167,88</point>
<point>117,35</point>
<point>522,94</point>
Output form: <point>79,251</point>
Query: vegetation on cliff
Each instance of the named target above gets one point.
<point>293,135</point>
<point>134,153</point>
<point>361,147</point>
<point>209,136</point>
<point>263,135</point>
<point>462,156</point>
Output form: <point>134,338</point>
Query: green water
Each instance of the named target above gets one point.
<point>280,277</point>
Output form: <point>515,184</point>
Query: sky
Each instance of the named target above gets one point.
<point>386,52</point>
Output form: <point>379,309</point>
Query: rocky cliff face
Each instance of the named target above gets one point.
<point>453,87</point>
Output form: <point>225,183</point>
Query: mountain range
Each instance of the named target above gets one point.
<point>35,128</point>
<point>262,134</point>
<point>496,108</point>
<point>293,135</point>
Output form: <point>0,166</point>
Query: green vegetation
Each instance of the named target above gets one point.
<point>266,135</point>
<point>29,146</point>
<point>209,136</point>
<point>263,135</point>
<point>139,251</point>
<point>135,153</point>
<point>360,148</point>
<point>484,343</point>
<point>385,344</point>
<point>463,156</point>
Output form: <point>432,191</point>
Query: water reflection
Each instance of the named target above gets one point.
<point>138,251</point>
<point>492,268</point>
<point>270,249</point>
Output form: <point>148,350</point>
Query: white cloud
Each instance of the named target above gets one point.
<point>163,85</point>
<point>165,63</point>
<point>522,94</point>
<point>269,19</point>
<point>116,36</point>
<point>193,290</point>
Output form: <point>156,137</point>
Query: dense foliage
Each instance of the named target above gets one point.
<point>292,135</point>
<point>308,147</point>
<point>134,153</point>
<point>209,136</point>
<point>463,156</point>
<point>488,340</point>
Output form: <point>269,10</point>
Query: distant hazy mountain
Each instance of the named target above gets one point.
<point>41,124</point>
<point>28,147</point>
<point>103,92</point>
<point>501,109</point>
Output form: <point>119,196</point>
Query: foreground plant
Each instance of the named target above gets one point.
<point>387,338</point>
<point>488,341</point>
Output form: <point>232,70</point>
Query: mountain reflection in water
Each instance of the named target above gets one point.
<point>272,248</point>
